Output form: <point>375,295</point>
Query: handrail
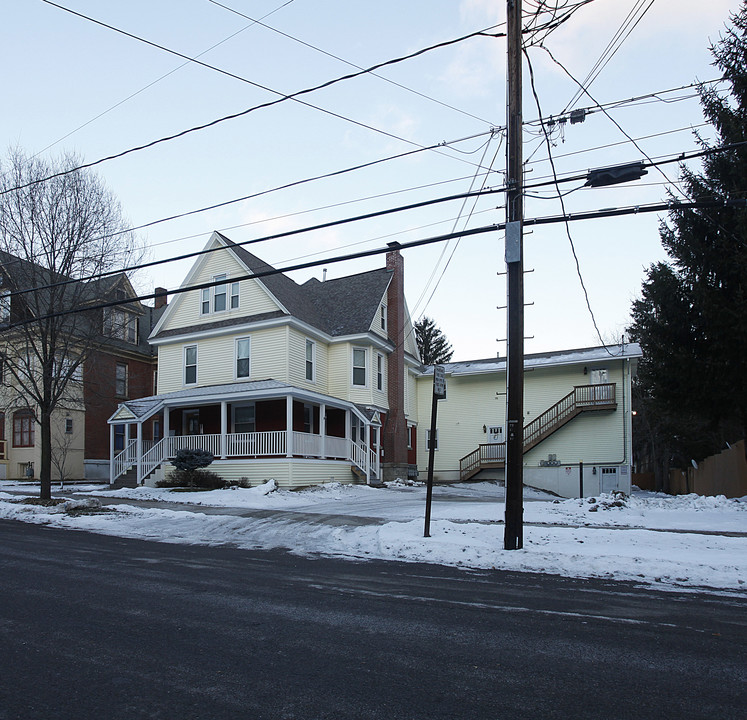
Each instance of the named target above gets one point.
<point>581,398</point>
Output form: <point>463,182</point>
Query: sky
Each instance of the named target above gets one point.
<point>670,542</point>
<point>78,87</point>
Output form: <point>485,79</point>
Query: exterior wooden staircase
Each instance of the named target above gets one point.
<point>583,398</point>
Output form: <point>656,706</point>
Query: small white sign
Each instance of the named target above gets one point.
<point>439,381</point>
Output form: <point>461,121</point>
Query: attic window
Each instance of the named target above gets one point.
<point>215,299</point>
<point>120,324</point>
<point>382,316</point>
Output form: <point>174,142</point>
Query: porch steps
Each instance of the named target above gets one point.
<point>128,480</point>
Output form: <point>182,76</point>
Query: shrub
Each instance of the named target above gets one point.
<point>203,479</point>
<point>188,460</point>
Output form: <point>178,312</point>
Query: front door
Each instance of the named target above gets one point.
<point>191,422</point>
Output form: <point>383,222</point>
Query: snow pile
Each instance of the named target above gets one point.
<point>649,538</point>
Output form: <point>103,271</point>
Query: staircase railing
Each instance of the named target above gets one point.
<point>580,399</point>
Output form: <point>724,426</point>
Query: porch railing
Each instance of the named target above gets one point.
<point>125,460</point>
<point>250,445</point>
<point>256,444</point>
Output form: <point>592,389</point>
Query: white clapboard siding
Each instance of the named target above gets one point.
<point>253,298</point>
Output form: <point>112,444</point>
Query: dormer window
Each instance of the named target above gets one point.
<point>120,324</point>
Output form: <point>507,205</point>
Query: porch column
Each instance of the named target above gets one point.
<point>223,429</point>
<point>289,425</point>
<point>367,450</point>
<point>323,430</point>
<point>139,452</point>
<point>111,454</point>
<point>166,434</point>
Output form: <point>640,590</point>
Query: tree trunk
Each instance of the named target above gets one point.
<point>45,472</point>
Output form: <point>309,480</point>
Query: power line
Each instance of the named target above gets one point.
<point>562,204</point>
<point>293,96</point>
<point>162,77</point>
<point>347,62</point>
<point>388,211</point>
<point>546,220</point>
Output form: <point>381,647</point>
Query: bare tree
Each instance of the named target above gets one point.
<point>59,230</point>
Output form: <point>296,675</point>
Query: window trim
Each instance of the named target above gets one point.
<point>353,367</point>
<point>382,316</point>
<point>248,358</point>
<point>310,363</point>
<point>24,425</point>
<point>234,295</point>
<point>118,366</point>
<point>379,372</point>
<point>223,294</point>
<point>428,440</point>
<point>187,348</point>
<point>240,406</point>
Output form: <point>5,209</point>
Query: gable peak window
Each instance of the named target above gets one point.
<point>216,299</point>
<point>382,316</point>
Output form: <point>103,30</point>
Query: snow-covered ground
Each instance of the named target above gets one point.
<point>683,541</point>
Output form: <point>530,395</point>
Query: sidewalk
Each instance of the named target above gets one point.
<point>347,519</point>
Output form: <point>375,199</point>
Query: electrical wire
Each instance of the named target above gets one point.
<point>162,77</point>
<point>347,62</point>
<point>562,206</point>
<point>293,96</point>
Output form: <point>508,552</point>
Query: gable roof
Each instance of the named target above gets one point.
<point>345,306</point>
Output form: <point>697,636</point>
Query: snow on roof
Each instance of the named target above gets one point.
<point>549,359</point>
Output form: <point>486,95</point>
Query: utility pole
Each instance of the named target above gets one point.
<point>514,535</point>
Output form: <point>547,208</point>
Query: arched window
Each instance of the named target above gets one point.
<point>23,428</point>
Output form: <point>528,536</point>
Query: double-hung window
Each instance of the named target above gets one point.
<point>244,419</point>
<point>243,357</point>
<point>219,294</point>
<point>428,440</point>
<point>379,371</point>
<point>121,380</point>
<point>359,367</point>
<point>190,365</point>
<point>23,428</point>
<point>216,298</point>
<point>310,358</point>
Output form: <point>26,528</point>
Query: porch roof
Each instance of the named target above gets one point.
<point>141,409</point>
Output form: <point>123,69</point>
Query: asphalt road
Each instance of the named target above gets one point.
<point>101,627</point>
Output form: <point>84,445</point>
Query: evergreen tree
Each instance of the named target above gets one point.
<point>432,343</point>
<point>691,319</point>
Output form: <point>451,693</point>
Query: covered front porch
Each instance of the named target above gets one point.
<point>242,425</point>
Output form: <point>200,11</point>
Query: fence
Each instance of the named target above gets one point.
<point>722,474</point>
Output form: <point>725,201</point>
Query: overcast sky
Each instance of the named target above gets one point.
<point>72,85</point>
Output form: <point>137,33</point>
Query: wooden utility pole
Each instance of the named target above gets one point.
<point>514,535</point>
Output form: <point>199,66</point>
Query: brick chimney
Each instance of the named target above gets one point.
<point>395,427</point>
<point>162,297</point>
